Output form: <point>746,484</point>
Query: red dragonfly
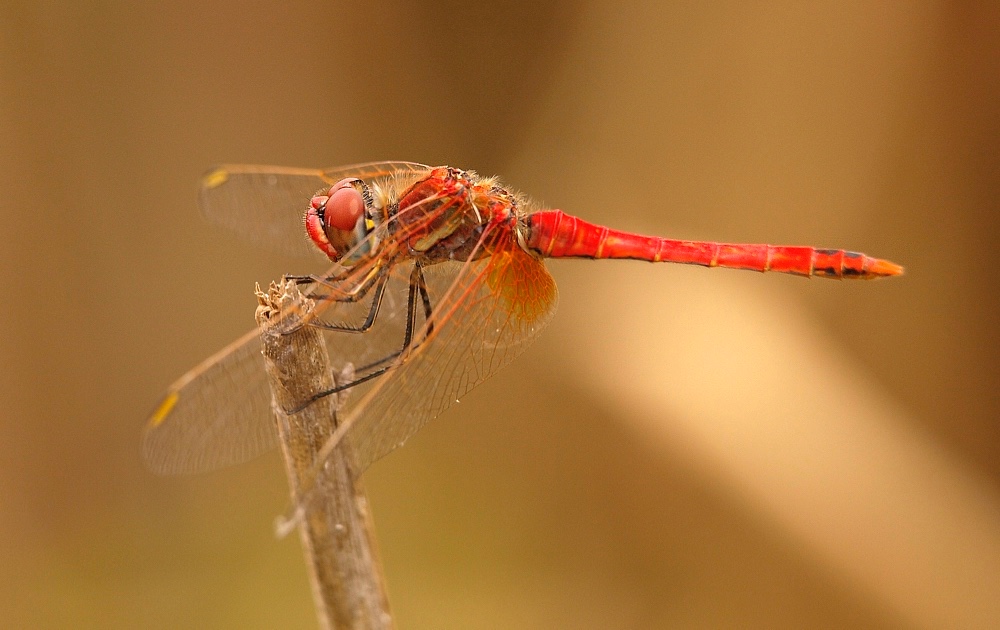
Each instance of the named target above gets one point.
<point>437,282</point>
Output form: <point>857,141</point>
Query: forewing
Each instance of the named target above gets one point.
<point>215,415</point>
<point>266,204</point>
<point>219,413</point>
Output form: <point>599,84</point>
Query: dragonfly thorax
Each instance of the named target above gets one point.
<point>445,215</point>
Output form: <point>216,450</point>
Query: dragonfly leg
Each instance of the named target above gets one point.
<point>426,299</point>
<point>302,279</point>
<point>378,279</point>
<point>334,281</point>
<point>417,280</point>
<point>315,279</point>
<point>379,283</point>
<point>417,285</point>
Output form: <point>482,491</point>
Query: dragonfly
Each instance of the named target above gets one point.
<point>437,281</point>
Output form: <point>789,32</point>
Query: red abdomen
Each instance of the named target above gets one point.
<point>555,234</point>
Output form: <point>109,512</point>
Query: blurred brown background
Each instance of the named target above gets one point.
<point>683,448</point>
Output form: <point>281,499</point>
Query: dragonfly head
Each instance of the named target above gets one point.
<point>339,220</point>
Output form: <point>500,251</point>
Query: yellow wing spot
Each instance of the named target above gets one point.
<point>163,410</point>
<point>216,178</point>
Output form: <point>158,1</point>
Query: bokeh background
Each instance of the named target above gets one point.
<point>682,448</point>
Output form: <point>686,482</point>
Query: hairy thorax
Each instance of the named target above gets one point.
<point>446,214</point>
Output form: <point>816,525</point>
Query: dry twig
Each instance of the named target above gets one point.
<point>336,530</point>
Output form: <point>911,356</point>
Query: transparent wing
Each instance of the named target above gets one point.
<point>219,413</point>
<point>485,313</point>
<point>215,415</point>
<point>266,204</point>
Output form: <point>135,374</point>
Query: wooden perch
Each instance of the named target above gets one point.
<point>336,527</point>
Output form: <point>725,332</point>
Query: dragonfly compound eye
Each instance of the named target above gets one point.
<point>335,220</point>
<point>345,206</point>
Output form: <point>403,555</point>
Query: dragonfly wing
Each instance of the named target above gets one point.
<point>485,313</point>
<point>266,204</point>
<point>215,415</point>
<point>219,413</point>
<point>372,170</point>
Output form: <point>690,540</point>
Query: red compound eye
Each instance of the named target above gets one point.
<point>345,206</point>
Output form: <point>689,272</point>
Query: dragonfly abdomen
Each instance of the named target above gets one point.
<point>555,234</point>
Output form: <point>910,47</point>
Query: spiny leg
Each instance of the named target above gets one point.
<point>377,278</point>
<point>327,280</point>
<point>379,282</point>
<point>416,278</point>
<point>334,281</point>
<point>417,284</point>
<point>304,279</point>
<point>426,299</point>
